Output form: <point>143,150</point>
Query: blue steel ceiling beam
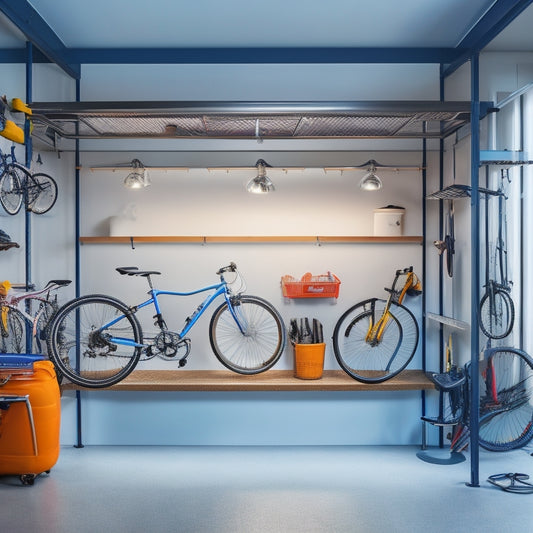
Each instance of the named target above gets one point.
<point>496,19</point>
<point>19,55</point>
<point>37,31</point>
<point>247,55</point>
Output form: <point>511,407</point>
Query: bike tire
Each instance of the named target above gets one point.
<point>385,359</point>
<point>42,193</point>
<point>496,318</point>
<point>12,330</point>
<point>450,252</point>
<point>11,188</point>
<point>256,349</point>
<point>85,355</point>
<point>506,399</point>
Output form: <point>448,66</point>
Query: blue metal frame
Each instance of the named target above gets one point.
<point>475,265</point>
<point>38,32</point>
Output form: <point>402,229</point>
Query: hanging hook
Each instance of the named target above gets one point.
<point>131,242</point>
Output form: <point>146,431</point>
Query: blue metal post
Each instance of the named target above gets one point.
<point>475,247</point>
<point>424,268</point>
<point>28,156</point>
<point>78,263</point>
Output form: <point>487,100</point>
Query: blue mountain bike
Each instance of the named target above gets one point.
<point>96,340</point>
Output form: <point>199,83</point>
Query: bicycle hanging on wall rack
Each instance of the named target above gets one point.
<point>96,340</point>
<point>19,186</point>
<point>376,339</point>
<point>496,308</point>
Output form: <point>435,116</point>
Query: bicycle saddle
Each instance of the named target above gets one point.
<point>134,271</point>
<point>60,282</point>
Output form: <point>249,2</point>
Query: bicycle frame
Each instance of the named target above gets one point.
<point>219,289</point>
<point>375,331</point>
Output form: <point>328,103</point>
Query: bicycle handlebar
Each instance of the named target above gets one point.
<point>232,267</point>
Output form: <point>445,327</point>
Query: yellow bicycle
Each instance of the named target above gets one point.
<point>376,339</point>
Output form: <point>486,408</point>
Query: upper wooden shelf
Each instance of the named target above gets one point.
<point>272,380</point>
<point>260,238</point>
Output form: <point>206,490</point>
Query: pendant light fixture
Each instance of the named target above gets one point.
<point>371,181</point>
<point>138,177</point>
<point>261,184</point>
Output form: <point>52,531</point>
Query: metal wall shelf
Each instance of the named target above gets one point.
<point>459,191</point>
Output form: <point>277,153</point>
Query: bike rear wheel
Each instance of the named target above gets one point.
<point>11,188</point>
<point>374,362</point>
<point>260,343</point>
<point>42,193</point>
<point>496,313</point>
<point>506,399</point>
<point>85,353</point>
<point>12,330</point>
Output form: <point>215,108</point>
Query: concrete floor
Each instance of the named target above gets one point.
<point>264,489</point>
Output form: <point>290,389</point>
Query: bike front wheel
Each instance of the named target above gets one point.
<point>383,357</point>
<point>247,336</point>
<point>42,193</point>
<point>94,341</point>
<point>506,399</point>
<point>496,313</point>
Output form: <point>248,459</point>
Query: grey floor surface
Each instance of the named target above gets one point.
<point>264,489</point>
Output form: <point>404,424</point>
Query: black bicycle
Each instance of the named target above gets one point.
<point>496,308</point>
<point>18,186</point>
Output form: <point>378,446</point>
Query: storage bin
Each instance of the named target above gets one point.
<point>30,417</point>
<point>309,360</point>
<point>388,221</point>
<point>322,286</point>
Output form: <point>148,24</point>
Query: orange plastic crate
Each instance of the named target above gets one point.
<point>322,286</point>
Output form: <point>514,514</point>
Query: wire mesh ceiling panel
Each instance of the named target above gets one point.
<point>299,120</point>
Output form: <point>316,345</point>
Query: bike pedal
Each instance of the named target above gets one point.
<point>182,362</point>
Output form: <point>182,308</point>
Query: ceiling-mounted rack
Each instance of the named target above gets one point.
<point>252,120</point>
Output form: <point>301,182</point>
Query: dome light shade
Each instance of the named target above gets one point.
<point>261,184</point>
<point>138,178</point>
<point>371,181</point>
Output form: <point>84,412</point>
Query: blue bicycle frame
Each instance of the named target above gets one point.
<point>219,289</point>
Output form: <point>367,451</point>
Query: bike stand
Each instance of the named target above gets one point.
<point>440,456</point>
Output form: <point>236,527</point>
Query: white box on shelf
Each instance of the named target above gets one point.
<point>388,221</point>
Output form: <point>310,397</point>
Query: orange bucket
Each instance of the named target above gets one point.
<point>309,360</point>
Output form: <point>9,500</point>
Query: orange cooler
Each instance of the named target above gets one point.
<point>29,418</point>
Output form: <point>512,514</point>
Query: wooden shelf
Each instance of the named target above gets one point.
<point>272,380</point>
<point>413,239</point>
